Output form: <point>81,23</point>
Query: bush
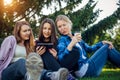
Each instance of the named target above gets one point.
<point>1,41</point>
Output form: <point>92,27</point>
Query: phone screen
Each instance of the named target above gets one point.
<point>47,45</point>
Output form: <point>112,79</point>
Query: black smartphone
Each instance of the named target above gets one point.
<point>47,45</point>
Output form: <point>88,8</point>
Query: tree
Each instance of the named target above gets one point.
<point>99,29</point>
<point>25,9</point>
<point>116,40</point>
<point>82,18</point>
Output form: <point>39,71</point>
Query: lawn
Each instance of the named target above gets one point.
<point>107,74</point>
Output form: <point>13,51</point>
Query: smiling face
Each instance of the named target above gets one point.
<point>46,30</point>
<point>25,32</point>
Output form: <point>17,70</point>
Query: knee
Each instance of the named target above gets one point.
<point>21,61</point>
<point>105,46</point>
<point>21,64</point>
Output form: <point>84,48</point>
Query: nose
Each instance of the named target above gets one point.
<point>28,32</point>
<point>47,30</point>
<point>62,27</point>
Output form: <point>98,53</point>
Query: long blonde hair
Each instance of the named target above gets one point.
<point>29,44</point>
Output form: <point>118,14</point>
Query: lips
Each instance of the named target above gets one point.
<point>63,32</point>
<point>27,37</point>
<point>46,35</point>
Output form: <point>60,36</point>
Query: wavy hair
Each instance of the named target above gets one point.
<point>29,44</point>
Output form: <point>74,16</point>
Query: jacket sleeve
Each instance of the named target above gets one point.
<point>94,47</point>
<point>62,48</point>
<point>6,46</point>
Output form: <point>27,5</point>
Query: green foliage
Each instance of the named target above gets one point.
<point>100,28</point>
<point>116,41</point>
<point>84,17</point>
<point>1,41</point>
<point>81,18</point>
<point>26,9</point>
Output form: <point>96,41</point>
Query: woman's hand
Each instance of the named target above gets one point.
<point>53,52</point>
<point>75,39</point>
<point>78,36</point>
<point>108,42</point>
<point>40,50</point>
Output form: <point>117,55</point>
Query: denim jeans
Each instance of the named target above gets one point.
<point>50,63</point>
<point>15,71</point>
<point>99,58</point>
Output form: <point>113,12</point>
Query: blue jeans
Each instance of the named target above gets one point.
<point>15,71</point>
<point>50,63</point>
<point>99,58</point>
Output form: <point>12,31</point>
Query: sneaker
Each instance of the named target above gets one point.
<point>34,66</point>
<point>61,74</point>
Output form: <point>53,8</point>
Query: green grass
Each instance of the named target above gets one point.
<point>107,74</point>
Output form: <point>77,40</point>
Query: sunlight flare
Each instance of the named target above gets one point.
<point>7,2</point>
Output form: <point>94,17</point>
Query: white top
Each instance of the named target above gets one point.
<point>80,73</point>
<point>83,56</point>
<point>20,52</point>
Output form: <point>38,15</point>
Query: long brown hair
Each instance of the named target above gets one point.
<point>53,37</point>
<point>29,44</point>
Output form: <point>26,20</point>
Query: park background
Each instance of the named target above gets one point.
<point>88,16</point>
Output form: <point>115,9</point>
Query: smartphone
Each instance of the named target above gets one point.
<point>47,45</point>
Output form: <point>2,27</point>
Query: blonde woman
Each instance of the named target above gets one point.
<point>73,50</point>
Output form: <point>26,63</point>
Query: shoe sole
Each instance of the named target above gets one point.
<point>34,66</point>
<point>63,74</point>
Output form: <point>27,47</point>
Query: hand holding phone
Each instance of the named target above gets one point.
<point>40,50</point>
<point>47,45</point>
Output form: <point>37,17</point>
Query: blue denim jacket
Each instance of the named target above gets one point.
<point>64,41</point>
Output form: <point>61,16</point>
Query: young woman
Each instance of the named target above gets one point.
<point>72,50</point>
<point>13,53</point>
<point>48,52</point>
<point>14,50</point>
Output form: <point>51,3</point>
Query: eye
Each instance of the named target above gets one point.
<point>29,29</point>
<point>59,26</point>
<point>49,29</point>
<point>64,24</point>
<point>25,31</point>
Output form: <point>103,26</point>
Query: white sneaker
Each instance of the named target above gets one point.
<point>61,74</point>
<point>34,66</point>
